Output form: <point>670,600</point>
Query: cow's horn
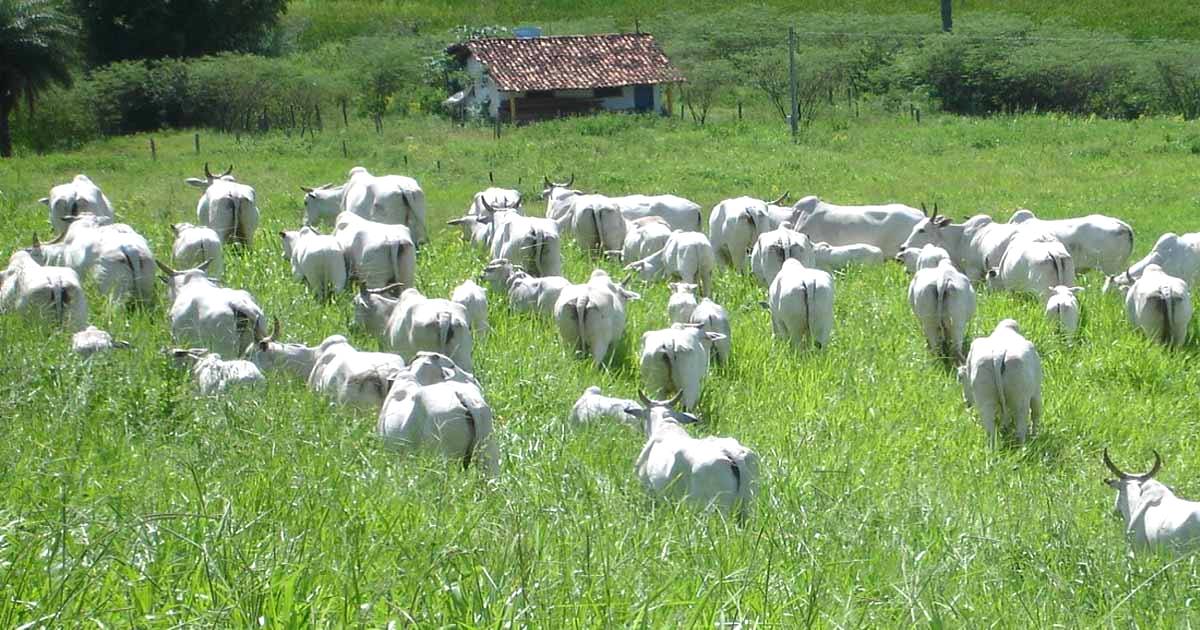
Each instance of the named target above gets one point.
<point>491,180</point>
<point>1153,469</point>
<point>58,238</point>
<point>274,332</point>
<point>486,206</point>
<point>646,400</point>
<point>546,181</point>
<point>36,241</point>
<point>924,210</point>
<point>386,289</point>
<point>781,198</point>
<point>165,269</point>
<point>306,189</point>
<point>227,171</point>
<point>674,401</point>
<point>571,182</point>
<point>518,204</point>
<point>1113,467</point>
<point>207,173</point>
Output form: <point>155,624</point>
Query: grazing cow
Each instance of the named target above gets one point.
<point>270,354</point>
<point>196,245</point>
<point>1177,255</point>
<point>47,292</point>
<point>92,340</point>
<point>473,298</point>
<point>227,207</point>
<point>215,375</point>
<point>1160,305</point>
<point>643,237</point>
<point>774,247</point>
<point>114,256</point>
<point>884,226</point>
<point>350,376</point>
<point>1002,378</point>
<point>1032,263</point>
<point>450,418</point>
<point>687,256</point>
<point>944,302</point>
<point>975,246</point>
<point>708,473</point>
<point>801,303</point>
<point>498,274</point>
<point>380,254</point>
<point>682,308</point>
<point>593,406</point>
<point>539,295</point>
<point>322,203</point>
<point>76,197</point>
<point>1094,241</point>
<point>1062,308</point>
<point>591,316</point>
<point>531,242</point>
<point>675,359</point>
<point>734,225</point>
<point>318,260</point>
<point>914,258</point>
<point>414,323</point>
<point>390,199</point>
<point>475,231</point>
<point>206,314</point>
<point>1154,517</point>
<point>676,212</point>
<point>597,223</point>
<point>835,257</point>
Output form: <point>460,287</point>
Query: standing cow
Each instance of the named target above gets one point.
<point>884,226</point>
<point>74,198</point>
<point>1002,378</point>
<point>392,199</point>
<point>226,206</point>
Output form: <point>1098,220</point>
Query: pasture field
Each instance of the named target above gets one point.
<point>127,500</point>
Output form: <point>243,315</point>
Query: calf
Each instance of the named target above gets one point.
<point>527,293</point>
<point>317,260</point>
<point>675,359</point>
<point>46,292</point>
<point>944,302</point>
<point>1160,305</point>
<point>707,473</point>
<point>687,255</point>
<point>1154,517</point>
<point>414,323</point>
<point>92,340</point>
<point>682,308</point>
<point>473,298</point>
<point>591,316</point>
<point>593,406</point>
<point>215,375</point>
<point>197,245</point>
<point>835,257</point>
<point>1062,308</point>
<point>1002,378</point>
<point>774,247</point>
<point>1033,264</point>
<point>801,303</point>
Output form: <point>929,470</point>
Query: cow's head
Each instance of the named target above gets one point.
<point>1135,493</point>
<point>373,307</point>
<point>928,231</point>
<point>654,413</point>
<point>209,178</point>
<point>176,280</point>
<point>554,189</point>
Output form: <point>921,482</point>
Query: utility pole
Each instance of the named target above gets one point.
<point>947,19</point>
<point>792,82</point>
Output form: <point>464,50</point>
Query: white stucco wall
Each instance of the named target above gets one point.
<point>485,89</point>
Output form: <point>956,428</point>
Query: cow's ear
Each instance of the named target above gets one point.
<point>1077,290</point>
<point>942,221</point>
<point>197,182</point>
<point>1150,497</point>
<point>45,200</point>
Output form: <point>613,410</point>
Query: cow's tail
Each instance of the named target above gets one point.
<point>415,222</point>
<point>539,245</point>
<point>1168,305</point>
<point>395,258</point>
<point>239,233</point>
<point>944,323</point>
<point>60,299</point>
<point>998,382</point>
<point>807,288</point>
<point>248,322</point>
<point>741,502</point>
<point>445,323</point>
<point>472,431</point>
<point>1059,269</point>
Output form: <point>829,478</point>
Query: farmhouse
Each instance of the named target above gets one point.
<point>531,78</point>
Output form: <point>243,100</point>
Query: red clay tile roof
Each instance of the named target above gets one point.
<point>571,62</point>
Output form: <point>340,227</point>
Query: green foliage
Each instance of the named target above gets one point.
<point>35,54</point>
<point>118,30</point>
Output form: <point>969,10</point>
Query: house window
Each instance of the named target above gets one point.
<point>540,94</point>
<point>607,92</point>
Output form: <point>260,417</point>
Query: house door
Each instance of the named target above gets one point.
<point>643,97</point>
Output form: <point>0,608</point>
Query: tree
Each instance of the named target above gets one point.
<point>117,30</point>
<point>36,44</point>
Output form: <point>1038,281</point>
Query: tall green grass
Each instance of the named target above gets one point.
<point>127,500</point>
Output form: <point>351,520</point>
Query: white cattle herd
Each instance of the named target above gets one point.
<point>421,382</point>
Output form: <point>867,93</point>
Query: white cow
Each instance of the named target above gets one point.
<point>675,359</point>
<point>682,308</point>
<point>473,298</point>
<point>76,197</point>
<point>1177,255</point>
<point>835,257</point>
<point>884,226</point>
<point>196,245</point>
<point>597,223</point>
<point>391,199</point>
<point>734,225</point>
<point>486,201</point>
<point>414,323</point>
<point>559,198</point>
<point>708,473</point>
<point>1062,308</point>
<point>205,314</point>
<point>46,292</point>
<point>322,203</point>
<point>687,256</point>
<point>531,242</point>
<point>591,316</point>
<point>380,254</point>
<point>1032,263</point>
<point>353,377</point>
<point>1002,378</point>
<point>772,248</point>
<point>593,406</point>
<point>1160,305</point>
<point>114,256</point>
<point>92,340</point>
<point>450,418</point>
<point>270,354</point>
<point>539,295</point>
<point>1094,241</point>
<point>643,237</point>
<point>318,260</point>
<point>1154,517</point>
<point>801,303</point>
<point>475,230</point>
<point>677,212</point>
<point>914,258</point>
<point>215,375</point>
<point>944,302</point>
<point>227,207</point>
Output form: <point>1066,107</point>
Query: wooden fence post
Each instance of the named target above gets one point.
<point>345,120</point>
<point>153,152</point>
<point>197,142</point>
<point>344,153</point>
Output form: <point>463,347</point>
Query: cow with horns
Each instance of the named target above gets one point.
<point>226,206</point>
<point>1154,516</point>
